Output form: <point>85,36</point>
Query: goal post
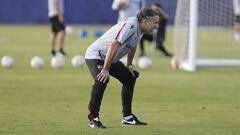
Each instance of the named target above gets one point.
<point>203,34</point>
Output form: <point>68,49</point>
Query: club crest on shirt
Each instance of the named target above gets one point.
<point>132,26</point>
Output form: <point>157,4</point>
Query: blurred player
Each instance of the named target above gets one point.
<point>56,16</point>
<point>159,35</point>
<point>127,8</point>
<point>102,58</point>
<point>236,9</point>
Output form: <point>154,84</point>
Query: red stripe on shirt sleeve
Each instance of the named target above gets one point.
<point>120,30</point>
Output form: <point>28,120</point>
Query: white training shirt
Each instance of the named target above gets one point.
<point>127,33</point>
<point>236,7</point>
<point>52,11</point>
<point>133,7</point>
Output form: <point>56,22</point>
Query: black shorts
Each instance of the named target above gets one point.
<point>237,18</point>
<point>56,24</point>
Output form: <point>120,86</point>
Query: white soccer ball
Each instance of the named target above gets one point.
<point>144,62</point>
<point>57,62</point>
<point>78,61</point>
<point>61,56</point>
<point>69,29</point>
<point>7,61</point>
<point>37,62</point>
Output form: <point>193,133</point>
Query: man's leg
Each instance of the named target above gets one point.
<point>119,71</point>
<point>161,47</point>
<point>60,29</point>
<point>160,38</point>
<point>142,51</point>
<point>61,37</point>
<point>98,88</point>
<point>145,37</point>
<point>52,43</point>
<point>97,92</point>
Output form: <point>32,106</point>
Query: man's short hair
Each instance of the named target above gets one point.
<point>146,13</point>
<point>158,5</point>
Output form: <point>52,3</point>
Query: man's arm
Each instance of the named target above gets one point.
<point>163,13</point>
<point>130,60</point>
<point>111,54</point>
<point>119,4</point>
<point>131,56</point>
<point>122,5</point>
<point>104,74</point>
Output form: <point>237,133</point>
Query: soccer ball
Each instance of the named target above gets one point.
<point>37,62</point>
<point>57,62</point>
<point>174,62</point>
<point>7,61</point>
<point>78,61</point>
<point>69,29</point>
<point>59,55</point>
<point>144,62</point>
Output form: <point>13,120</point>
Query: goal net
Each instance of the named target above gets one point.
<point>203,34</point>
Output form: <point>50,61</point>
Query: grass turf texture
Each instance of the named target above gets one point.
<point>54,102</point>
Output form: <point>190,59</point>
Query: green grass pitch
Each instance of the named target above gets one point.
<point>54,102</point>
